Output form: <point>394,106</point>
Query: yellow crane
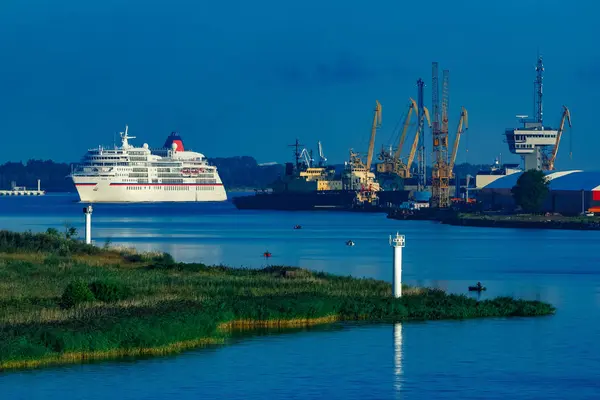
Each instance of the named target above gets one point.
<point>404,170</point>
<point>412,106</point>
<point>464,120</point>
<point>552,159</point>
<point>376,124</point>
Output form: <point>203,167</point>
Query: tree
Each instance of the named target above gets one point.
<point>531,190</point>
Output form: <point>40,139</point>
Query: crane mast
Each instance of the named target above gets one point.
<point>464,120</point>
<point>552,159</point>
<point>440,196</point>
<point>421,169</point>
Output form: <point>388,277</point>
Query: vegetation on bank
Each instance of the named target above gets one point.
<point>62,301</point>
<point>532,221</point>
<point>500,219</point>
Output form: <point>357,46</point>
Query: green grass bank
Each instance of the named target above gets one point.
<point>62,301</point>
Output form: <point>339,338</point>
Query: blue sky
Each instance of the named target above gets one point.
<point>247,78</point>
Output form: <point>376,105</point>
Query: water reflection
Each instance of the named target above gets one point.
<point>193,252</point>
<point>398,372</point>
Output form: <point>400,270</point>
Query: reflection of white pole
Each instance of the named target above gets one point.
<point>88,224</point>
<point>398,356</point>
<point>398,243</point>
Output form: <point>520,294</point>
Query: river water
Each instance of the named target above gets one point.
<point>548,357</point>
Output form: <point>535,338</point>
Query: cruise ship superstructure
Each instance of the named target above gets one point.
<point>140,174</point>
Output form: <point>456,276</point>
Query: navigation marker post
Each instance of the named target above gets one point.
<point>88,224</point>
<point>397,243</point>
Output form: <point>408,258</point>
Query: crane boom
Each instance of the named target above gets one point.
<point>566,115</point>
<point>413,148</point>
<point>376,123</point>
<point>322,158</point>
<point>464,119</point>
<point>412,106</point>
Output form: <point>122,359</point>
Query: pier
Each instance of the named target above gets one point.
<point>23,191</point>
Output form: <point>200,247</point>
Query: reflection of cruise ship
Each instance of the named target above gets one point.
<point>139,174</point>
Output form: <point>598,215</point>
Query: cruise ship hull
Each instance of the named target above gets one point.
<point>104,191</point>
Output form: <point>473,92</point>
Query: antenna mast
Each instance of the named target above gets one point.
<point>538,85</point>
<point>297,153</point>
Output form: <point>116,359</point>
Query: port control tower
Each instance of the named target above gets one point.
<point>533,140</point>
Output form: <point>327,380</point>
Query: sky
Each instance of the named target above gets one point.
<point>249,77</point>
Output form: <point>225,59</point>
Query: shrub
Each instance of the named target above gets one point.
<point>76,292</point>
<point>165,261</point>
<point>108,291</point>
<point>134,257</point>
<point>52,260</point>
<point>53,232</point>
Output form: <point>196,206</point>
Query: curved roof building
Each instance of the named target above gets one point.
<point>571,192</point>
<point>559,180</point>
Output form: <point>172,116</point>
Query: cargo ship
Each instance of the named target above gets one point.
<point>305,187</point>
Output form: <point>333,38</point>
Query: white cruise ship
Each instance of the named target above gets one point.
<point>140,174</point>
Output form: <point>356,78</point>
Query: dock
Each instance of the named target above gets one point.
<point>23,191</point>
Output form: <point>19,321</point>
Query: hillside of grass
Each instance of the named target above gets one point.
<point>62,301</point>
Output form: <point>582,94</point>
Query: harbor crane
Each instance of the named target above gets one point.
<point>551,159</point>
<point>412,106</point>
<point>322,158</point>
<point>308,160</point>
<point>376,124</point>
<point>404,169</point>
<point>463,121</point>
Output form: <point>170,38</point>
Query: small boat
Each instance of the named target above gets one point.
<point>349,243</point>
<point>266,254</point>
<point>477,288</point>
<point>297,226</point>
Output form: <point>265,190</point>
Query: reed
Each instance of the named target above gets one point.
<point>154,305</point>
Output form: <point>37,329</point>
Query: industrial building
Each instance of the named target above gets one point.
<point>571,192</point>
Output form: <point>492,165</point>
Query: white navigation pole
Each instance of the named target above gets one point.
<point>88,224</point>
<point>398,243</point>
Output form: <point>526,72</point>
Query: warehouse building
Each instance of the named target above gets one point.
<point>571,192</point>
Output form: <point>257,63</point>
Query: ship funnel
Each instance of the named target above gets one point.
<point>174,138</point>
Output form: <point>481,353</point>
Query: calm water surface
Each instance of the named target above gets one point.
<point>549,357</point>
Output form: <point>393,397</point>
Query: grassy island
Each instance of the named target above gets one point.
<point>62,301</point>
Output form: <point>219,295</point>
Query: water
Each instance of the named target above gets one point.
<point>548,357</point>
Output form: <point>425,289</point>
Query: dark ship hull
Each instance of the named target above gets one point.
<point>326,200</point>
